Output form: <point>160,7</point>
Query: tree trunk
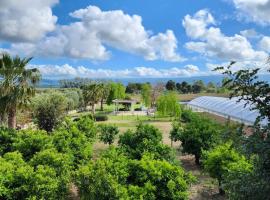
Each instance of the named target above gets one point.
<point>12,118</point>
<point>93,109</point>
<point>221,191</point>
<point>197,159</point>
<point>101,105</point>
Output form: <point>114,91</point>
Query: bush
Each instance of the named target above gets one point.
<point>138,109</point>
<point>7,137</point>
<point>223,159</point>
<point>100,118</point>
<point>68,138</point>
<point>115,176</point>
<point>29,142</point>
<point>146,139</point>
<point>19,180</point>
<point>107,133</point>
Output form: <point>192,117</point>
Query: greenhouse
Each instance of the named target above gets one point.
<point>225,107</point>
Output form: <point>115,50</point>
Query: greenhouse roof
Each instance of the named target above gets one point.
<point>226,107</point>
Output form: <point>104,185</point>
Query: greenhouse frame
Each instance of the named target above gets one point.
<point>225,107</point>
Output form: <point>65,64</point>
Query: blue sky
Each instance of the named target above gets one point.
<point>135,38</point>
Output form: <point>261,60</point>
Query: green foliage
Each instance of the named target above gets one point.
<point>73,98</point>
<point>76,139</point>
<point>101,117</point>
<point>6,139</point>
<point>115,176</point>
<point>117,91</point>
<point>199,134</point>
<point>146,94</point>
<point>170,85</point>
<point>19,180</point>
<point>146,139</point>
<point>168,105</point>
<point>223,159</point>
<point>176,132</point>
<point>29,142</point>
<point>92,94</point>
<point>107,133</point>
<point>49,110</point>
<point>133,88</point>
<point>17,85</point>
<point>167,180</point>
<point>247,85</point>
<point>102,179</point>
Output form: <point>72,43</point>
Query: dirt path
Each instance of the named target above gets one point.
<point>205,188</point>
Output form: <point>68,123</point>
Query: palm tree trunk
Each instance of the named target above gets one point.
<point>12,118</point>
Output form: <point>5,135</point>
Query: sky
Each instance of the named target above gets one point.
<point>136,38</point>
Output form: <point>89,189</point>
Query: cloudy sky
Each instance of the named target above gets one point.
<point>135,38</point>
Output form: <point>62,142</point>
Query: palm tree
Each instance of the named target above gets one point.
<point>17,85</point>
<point>92,95</point>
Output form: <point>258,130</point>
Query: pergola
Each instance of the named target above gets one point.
<point>123,102</point>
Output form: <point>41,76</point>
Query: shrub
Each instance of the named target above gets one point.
<point>115,176</point>
<point>100,118</point>
<point>138,109</point>
<point>105,178</point>
<point>108,133</point>
<point>29,142</point>
<point>69,139</point>
<point>145,139</point>
<point>221,160</point>
<point>19,180</point>
<point>6,139</point>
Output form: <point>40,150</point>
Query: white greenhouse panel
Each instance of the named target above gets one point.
<point>227,108</point>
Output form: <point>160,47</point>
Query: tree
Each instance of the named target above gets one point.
<point>105,91</point>
<point>245,85</point>
<point>133,88</point>
<point>219,161</point>
<point>145,139</point>
<point>108,133</point>
<point>117,91</point>
<point>146,94</point>
<point>17,85</point>
<point>199,134</point>
<point>92,94</point>
<point>175,133</point>
<point>183,87</point>
<point>168,105</point>
<point>170,85</point>
<point>198,86</point>
<point>115,176</point>
<point>49,110</point>
<point>157,90</point>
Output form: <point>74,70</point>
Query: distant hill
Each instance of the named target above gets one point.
<point>53,83</point>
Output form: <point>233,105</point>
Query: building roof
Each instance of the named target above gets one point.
<point>239,111</point>
<point>123,101</point>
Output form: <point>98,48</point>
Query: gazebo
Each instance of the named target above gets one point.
<point>125,102</point>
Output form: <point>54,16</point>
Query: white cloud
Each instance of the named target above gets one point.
<point>250,33</point>
<point>254,10</point>
<point>264,44</point>
<point>211,42</point>
<point>26,20</point>
<point>95,29</point>
<point>68,71</point>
